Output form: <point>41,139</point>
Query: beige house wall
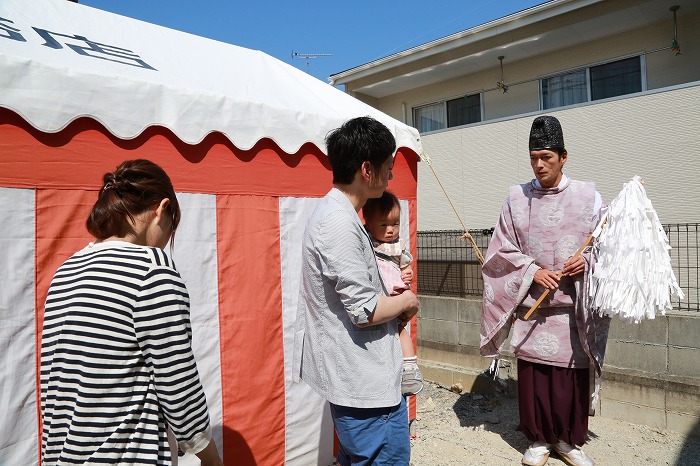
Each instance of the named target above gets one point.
<point>655,136</point>
<point>651,374</point>
<point>662,69</point>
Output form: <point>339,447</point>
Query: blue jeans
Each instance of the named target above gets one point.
<point>372,436</point>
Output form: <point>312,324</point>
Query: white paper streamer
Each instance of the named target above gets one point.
<point>632,276</point>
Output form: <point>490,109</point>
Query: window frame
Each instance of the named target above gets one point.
<point>443,108</point>
<point>589,90</point>
<point>463,98</point>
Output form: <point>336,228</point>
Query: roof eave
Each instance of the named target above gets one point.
<point>496,27</point>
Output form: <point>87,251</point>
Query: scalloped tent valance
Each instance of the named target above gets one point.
<point>61,61</point>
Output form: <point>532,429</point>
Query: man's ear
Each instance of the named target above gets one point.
<point>366,170</point>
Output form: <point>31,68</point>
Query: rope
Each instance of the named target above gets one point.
<point>466,234</point>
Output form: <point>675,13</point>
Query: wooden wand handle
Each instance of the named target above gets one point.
<point>559,275</point>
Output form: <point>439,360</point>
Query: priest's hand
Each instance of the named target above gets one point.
<point>574,266</point>
<point>547,278</point>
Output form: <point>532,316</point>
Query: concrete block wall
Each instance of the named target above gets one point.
<point>651,374</point>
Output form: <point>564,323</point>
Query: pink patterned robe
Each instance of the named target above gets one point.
<point>392,258</point>
<point>542,228</point>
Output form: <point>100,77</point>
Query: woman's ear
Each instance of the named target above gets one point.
<point>161,209</point>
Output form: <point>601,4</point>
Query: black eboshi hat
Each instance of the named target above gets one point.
<point>546,133</point>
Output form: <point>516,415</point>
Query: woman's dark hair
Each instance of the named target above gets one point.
<point>359,140</point>
<point>133,188</point>
<point>380,205</point>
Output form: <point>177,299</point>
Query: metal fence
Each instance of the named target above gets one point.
<point>684,239</point>
<point>448,266</point>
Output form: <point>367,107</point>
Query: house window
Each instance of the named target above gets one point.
<point>617,78</point>
<point>565,89</point>
<point>446,114</point>
<point>464,110</point>
<point>430,117</point>
<point>611,79</point>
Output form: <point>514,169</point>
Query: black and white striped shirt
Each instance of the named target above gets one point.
<point>116,360</point>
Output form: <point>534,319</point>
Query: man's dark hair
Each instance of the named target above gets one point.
<point>359,140</point>
<point>560,151</point>
<point>380,205</point>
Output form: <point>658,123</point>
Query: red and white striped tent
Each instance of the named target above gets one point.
<point>242,137</point>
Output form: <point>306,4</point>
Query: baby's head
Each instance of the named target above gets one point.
<point>383,217</point>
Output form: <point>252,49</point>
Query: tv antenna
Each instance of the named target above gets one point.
<point>309,56</point>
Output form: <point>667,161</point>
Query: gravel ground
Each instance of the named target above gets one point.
<point>466,429</point>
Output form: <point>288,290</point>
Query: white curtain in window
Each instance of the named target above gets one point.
<point>430,117</point>
<point>565,89</point>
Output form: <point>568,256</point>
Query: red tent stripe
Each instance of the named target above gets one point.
<point>79,155</point>
<point>66,169</point>
<point>413,233</point>
<point>250,325</point>
<point>60,231</point>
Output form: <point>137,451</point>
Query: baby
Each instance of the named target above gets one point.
<point>382,222</point>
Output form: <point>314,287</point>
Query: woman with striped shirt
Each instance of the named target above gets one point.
<point>117,368</point>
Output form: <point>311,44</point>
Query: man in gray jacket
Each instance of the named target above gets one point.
<point>348,327</point>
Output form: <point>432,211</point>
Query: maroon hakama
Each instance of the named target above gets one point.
<point>553,403</point>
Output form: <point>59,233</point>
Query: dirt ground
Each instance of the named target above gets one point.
<point>466,429</point>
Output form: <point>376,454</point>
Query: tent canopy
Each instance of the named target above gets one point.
<point>61,61</point>
<point>241,136</point>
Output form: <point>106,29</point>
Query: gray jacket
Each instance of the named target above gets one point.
<point>340,286</point>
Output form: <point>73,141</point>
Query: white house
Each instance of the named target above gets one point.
<point>629,104</point>
<point>623,77</point>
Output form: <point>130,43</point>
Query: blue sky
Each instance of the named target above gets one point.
<point>354,33</point>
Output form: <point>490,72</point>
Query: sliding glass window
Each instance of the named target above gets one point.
<point>617,78</point>
<point>448,113</point>
<point>611,79</point>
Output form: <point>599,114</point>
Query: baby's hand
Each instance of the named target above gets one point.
<point>407,275</point>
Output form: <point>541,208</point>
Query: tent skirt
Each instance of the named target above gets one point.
<point>553,403</point>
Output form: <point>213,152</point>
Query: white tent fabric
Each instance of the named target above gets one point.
<point>305,411</point>
<point>76,61</point>
<point>194,253</point>
<point>18,432</point>
<point>308,432</point>
<point>61,61</point>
